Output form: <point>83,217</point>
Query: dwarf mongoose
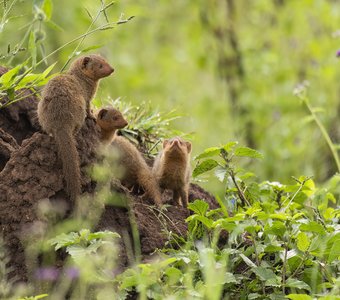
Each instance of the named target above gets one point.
<point>62,110</point>
<point>135,169</point>
<point>108,121</point>
<point>172,169</point>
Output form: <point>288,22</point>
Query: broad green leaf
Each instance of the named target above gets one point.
<point>313,227</point>
<point>164,263</point>
<point>209,152</point>
<point>224,224</point>
<point>204,166</point>
<point>220,173</point>
<point>229,278</point>
<point>281,216</point>
<point>303,241</point>
<point>248,261</point>
<point>298,284</point>
<point>247,152</point>
<point>102,235</point>
<point>299,297</point>
<point>128,279</point>
<point>278,228</point>
<point>207,222</point>
<point>47,9</point>
<point>199,207</point>
<point>5,80</point>
<point>334,253</point>
<point>32,48</point>
<point>229,146</point>
<point>264,273</point>
<point>174,275</point>
<point>272,249</point>
<point>64,240</point>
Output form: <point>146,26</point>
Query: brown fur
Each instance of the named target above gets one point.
<point>108,121</point>
<point>136,171</point>
<point>61,112</point>
<point>172,169</point>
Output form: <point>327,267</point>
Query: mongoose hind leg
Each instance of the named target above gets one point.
<point>184,197</point>
<point>177,198</point>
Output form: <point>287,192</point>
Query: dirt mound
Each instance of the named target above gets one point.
<point>19,119</point>
<point>31,175</point>
<point>7,145</point>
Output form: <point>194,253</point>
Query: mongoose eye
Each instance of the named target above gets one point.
<point>100,66</point>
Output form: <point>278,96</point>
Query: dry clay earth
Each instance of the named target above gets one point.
<point>30,174</point>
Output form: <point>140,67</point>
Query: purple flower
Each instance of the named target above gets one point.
<point>47,273</point>
<point>338,53</point>
<point>72,272</point>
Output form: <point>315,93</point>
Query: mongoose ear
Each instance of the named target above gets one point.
<point>188,146</point>
<point>165,142</point>
<point>102,113</point>
<point>85,62</point>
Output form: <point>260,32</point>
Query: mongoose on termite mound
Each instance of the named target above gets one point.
<point>108,121</point>
<point>172,169</point>
<point>61,112</point>
<point>135,169</point>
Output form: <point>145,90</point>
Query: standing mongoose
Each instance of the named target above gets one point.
<point>172,169</point>
<point>62,110</point>
<point>135,169</point>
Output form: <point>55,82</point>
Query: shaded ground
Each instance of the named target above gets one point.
<point>31,176</point>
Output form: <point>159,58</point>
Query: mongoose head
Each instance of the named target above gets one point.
<point>111,119</point>
<point>176,148</point>
<point>93,66</point>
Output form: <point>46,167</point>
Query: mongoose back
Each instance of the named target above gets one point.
<point>135,169</point>
<point>172,169</point>
<point>62,110</point>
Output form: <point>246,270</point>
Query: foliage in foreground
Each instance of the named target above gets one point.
<point>265,241</point>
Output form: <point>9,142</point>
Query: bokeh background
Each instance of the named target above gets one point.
<point>228,67</point>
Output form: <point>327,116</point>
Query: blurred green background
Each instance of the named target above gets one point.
<point>229,67</point>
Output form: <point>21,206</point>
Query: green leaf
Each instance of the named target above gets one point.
<point>264,273</point>
<point>224,224</point>
<point>174,275</point>
<point>199,207</point>
<point>47,7</point>
<point>229,146</point>
<point>204,166</point>
<point>91,48</point>
<point>248,261</point>
<point>247,152</point>
<point>272,249</point>
<point>299,297</point>
<point>229,278</point>
<point>278,228</point>
<point>303,241</point>
<point>103,235</point>
<point>32,48</point>
<point>64,240</point>
<point>48,70</point>
<point>334,253</point>
<point>209,152</point>
<point>294,283</point>
<point>220,173</point>
<point>313,227</point>
<point>7,78</point>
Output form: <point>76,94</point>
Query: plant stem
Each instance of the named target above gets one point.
<point>239,191</point>
<point>284,269</point>
<point>83,38</point>
<point>323,131</point>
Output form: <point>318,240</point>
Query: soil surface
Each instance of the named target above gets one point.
<point>31,178</point>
